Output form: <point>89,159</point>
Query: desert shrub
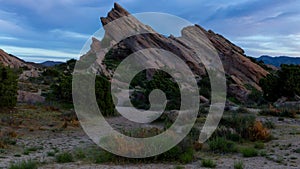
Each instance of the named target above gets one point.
<point>288,113</point>
<point>51,153</point>
<point>62,91</point>
<point>263,153</point>
<point>101,156</point>
<point>221,145</point>
<point>238,165</point>
<point>80,154</point>
<point>24,165</point>
<point>8,87</point>
<point>208,163</point>
<point>255,97</point>
<point>239,122</point>
<point>258,132</point>
<point>278,113</point>
<point>27,151</point>
<point>249,152</point>
<point>187,156</point>
<point>269,124</point>
<point>7,137</point>
<point>259,145</point>
<point>242,110</point>
<point>297,150</point>
<point>234,137</point>
<point>64,157</point>
<point>178,167</point>
<point>178,153</point>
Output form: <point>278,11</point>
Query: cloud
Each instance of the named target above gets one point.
<point>274,45</point>
<point>260,27</point>
<point>70,34</point>
<point>8,38</point>
<point>39,53</point>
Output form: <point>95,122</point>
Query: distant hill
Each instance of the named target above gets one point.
<point>51,63</point>
<point>13,61</point>
<point>277,61</point>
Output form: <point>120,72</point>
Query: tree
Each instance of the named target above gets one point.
<point>8,87</point>
<point>285,82</point>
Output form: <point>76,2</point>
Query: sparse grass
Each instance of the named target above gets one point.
<point>263,153</point>
<point>8,137</point>
<point>100,156</point>
<point>269,124</point>
<point>80,154</point>
<point>208,163</point>
<point>259,145</point>
<point>279,113</point>
<point>221,145</point>
<point>187,156</point>
<point>238,165</point>
<point>51,154</point>
<point>178,167</point>
<point>297,150</point>
<point>24,165</point>
<point>65,157</point>
<point>249,152</point>
<point>27,151</point>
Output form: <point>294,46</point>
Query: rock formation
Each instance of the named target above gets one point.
<point>241,70</point>
<point>12,61</point>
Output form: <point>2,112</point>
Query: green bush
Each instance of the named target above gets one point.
<point>208,163</point>
<point>297,150</point>
<point>221,145</point>
<point>238,165</point>
<point>240,123</point>
<point>259,145</point>
<point>65,157</point>
<point>187,156</point>
<point>249,152</point>
<point>102,157</point>
<point>80,154</point>
<point>24,165</point>
<point>51,153</point>
<point>269,124</point>
<point>285,82</point>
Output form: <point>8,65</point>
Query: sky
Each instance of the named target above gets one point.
<point>40,30</point>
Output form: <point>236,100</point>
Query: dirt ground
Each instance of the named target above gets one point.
<point>41,131</point>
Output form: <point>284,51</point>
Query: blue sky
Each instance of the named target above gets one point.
<point>40,30</point>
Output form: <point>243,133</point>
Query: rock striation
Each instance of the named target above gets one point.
<point>238,67</point>
<point>12,61</point>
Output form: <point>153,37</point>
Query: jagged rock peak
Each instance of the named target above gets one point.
<point>117,12</point>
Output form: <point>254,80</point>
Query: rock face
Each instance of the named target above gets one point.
<point>241,69</point>
<point>29,97</point>
<point>12,61</point>
<point>237,66</point>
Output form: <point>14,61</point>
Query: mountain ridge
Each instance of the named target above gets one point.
<point>278,60</point>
